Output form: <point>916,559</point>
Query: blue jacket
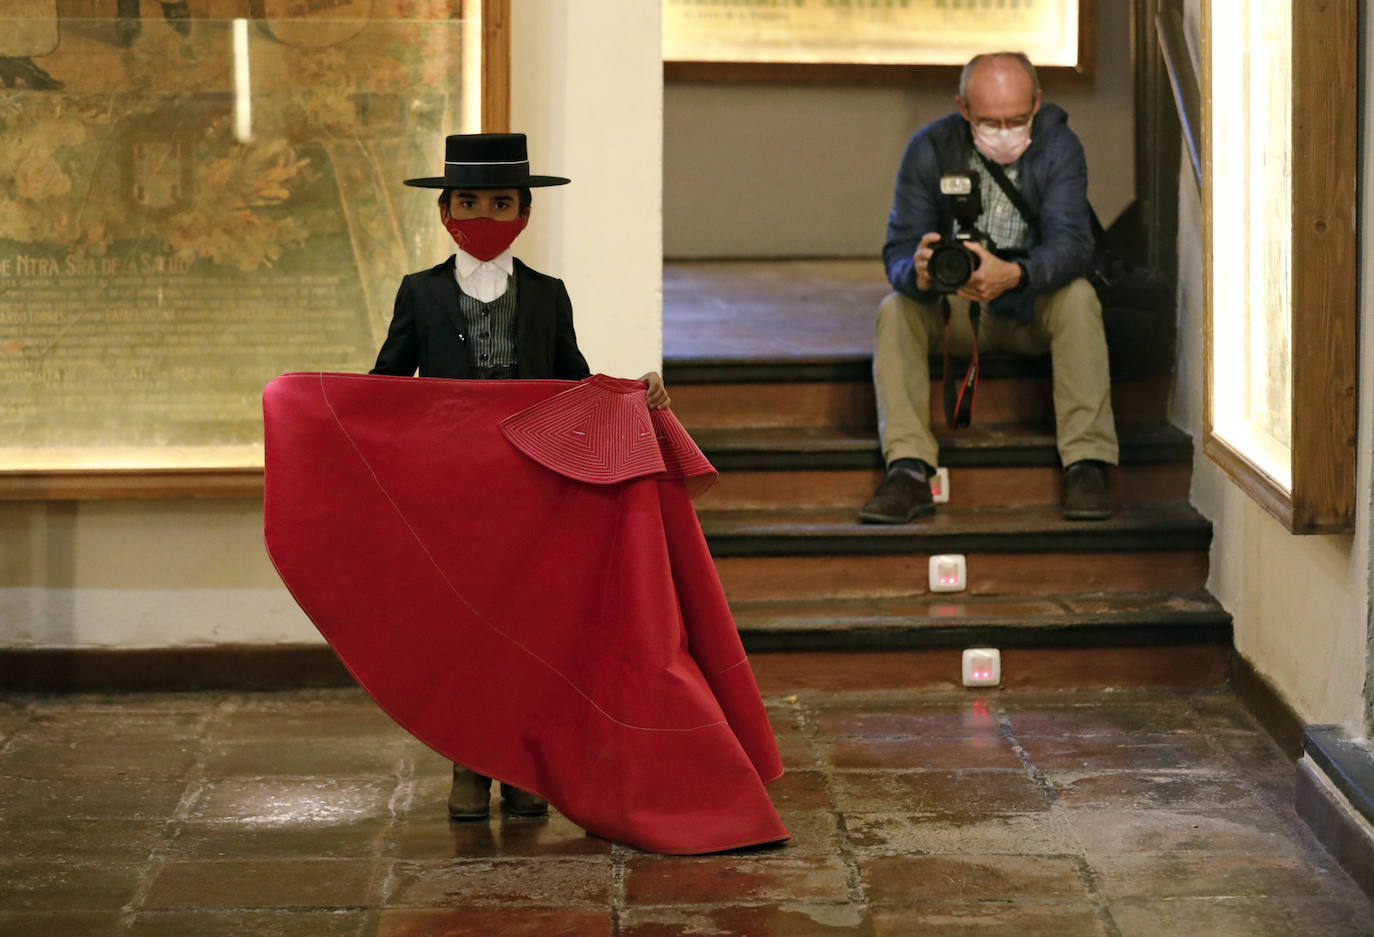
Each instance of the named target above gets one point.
<point>1053,179</point>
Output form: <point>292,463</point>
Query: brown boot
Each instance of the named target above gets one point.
<point>470,796</point>
<point>522,803</point>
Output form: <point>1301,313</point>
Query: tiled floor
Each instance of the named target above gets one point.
<point>1123,814</point>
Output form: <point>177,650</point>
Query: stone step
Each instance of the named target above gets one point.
<point>838,467</point>
<point>981,445</point>
<point>894,575</point>
<point>1072,620</point>
<point>847,489</point>
<point>793,403</point>
<point>1029,529</point>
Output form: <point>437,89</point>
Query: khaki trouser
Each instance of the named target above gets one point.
<point>1067,324</point>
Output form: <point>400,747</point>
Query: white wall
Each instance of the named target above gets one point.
<point>588,89</point>
<point>177,573</point>
<point>1301,604</point>
<point>777,169</point>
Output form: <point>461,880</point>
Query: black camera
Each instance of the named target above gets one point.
<point>951,262</point>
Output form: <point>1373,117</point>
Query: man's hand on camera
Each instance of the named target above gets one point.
<point>993,277</point>
<point>922,258</point>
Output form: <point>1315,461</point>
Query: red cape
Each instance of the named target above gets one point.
<point>514,571</point>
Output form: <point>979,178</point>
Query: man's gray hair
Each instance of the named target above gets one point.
<point>974,62</point>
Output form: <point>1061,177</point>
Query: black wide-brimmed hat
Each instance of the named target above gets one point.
<point>486,161</point>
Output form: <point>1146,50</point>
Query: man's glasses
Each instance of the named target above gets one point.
<point>1004,123</point>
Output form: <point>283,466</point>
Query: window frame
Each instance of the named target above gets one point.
<point>1324,301</point>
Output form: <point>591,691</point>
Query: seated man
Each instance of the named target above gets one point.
<point>1037,303</point>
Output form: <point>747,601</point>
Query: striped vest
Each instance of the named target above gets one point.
<point>491,328</point>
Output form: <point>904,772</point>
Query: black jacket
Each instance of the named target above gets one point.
<point>428,329</point>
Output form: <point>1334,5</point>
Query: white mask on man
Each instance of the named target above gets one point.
<point>1003,145</point>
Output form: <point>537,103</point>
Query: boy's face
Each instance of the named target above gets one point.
<point>497,204</point>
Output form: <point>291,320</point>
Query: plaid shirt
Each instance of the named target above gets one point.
<point>1000,220</point>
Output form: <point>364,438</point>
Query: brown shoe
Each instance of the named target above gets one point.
<point>522,803</point>
<point>1085,493</point>
<point>901,497</point>
<point>470,796</point>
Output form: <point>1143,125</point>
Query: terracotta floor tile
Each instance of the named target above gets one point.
<point>1121,752</point>
<point>31,757</point>
<point>784,714</point>
<point>796,752</point>
<point>988,919</point>
<point>313,723</point>
<point>486,922</point>
<point>1242,917</point>
<point>293,801</point>
<point>786,920</point>
<point>83,839</point>
<point>531,883</point>
<point>264,883</point>
<point>902,879</point>
<point>65,923</point>
<point>943,793</point>
<point>814,833</point>
<point>1206,875</point>
<point>227,839</point>
<point>800,790</point>
<point>1223,712</point>
<point>244,923</point>
<point>315,816</point>
<point>12,721</point>
<point>978,751</point>
<point>437,837</point>
<point>134,799</point>
<point>420,760</point>
<point>1045,832</point>
<point>729,879</point>
<point>132,724</point>
<point>67,886</point>
<point>921,724</point>
<point>328,757</point>
<point>1254,753</point>
<point>197,702</point>
<point>1171,790</point>
<point>1110,831</point>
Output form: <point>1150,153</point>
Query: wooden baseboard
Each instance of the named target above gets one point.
<point>218,667</point>
<point>1267,705</point>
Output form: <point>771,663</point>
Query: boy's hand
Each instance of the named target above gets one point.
<point>657,397</point>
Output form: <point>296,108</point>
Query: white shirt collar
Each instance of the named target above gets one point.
<point>466,264</point>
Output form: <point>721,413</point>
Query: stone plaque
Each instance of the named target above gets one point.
<point>190,206</point>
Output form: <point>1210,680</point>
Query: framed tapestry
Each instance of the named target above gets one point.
<point>193,204</point>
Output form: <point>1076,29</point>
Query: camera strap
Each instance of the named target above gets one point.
<point>959,394</point>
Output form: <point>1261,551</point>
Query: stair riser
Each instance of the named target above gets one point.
<point>1184,666</point>
<point>839,403</point>
<point>972,487</point>
<point>792,578</point>
<point>960,633</point>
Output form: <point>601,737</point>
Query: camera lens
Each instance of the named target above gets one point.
<point>950,265</point>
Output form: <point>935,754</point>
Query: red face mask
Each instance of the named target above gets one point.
<point>484,238</point>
